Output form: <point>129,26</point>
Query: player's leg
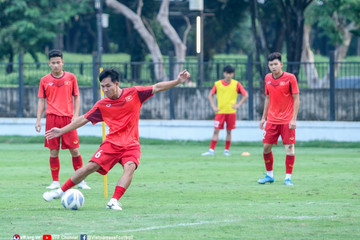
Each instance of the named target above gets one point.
<point>227,142</point>
<point>54,168</point>
<point>218,125</point>
<point>77,164</point>
<point>271,135</point>
<point>230,120</point>
<point>130,159</point>
<point>123,183</point>
<point>288,138</point>
<point>76,178</point>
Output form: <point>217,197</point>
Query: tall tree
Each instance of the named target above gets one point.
<point>294,20</point>
<point>27,25</point>
<point>339,19</point>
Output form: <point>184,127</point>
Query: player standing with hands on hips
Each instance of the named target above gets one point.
<point>120,110</point>
<point>61,91</point>
<point>226,91</point>
<point>281,107</point>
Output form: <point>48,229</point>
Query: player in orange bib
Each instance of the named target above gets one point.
<point>120,110</point>
<point>60,91</point>
<point>280,113</point>
<point>226,91</point>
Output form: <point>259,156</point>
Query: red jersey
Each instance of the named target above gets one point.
<point>280,91</point>
<point>121,115</point>
<point>59,93</point>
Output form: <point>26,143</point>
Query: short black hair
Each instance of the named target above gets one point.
<point>55,53</point>
<point>110,72</point>
<point>228,69</point>
<point>273,56</point>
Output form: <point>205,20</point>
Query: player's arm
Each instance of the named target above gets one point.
<point>265,112</point>
<point>40,111</point>
<point>57,132</point>
<point>76,106</point>
<point>243,99</point>
<point>212,103</point>
<point>166,85</point>
<point>292,124</point>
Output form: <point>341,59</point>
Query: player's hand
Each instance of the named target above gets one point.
<point>53,133</point>
<point>292,124</point>
<point>235,106</point>
<point>261,125</point>
<point>183,76</point>
<point>38,127</point>
<point>216,109</point>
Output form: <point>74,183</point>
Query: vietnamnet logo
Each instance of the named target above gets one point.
<point>16,237</point>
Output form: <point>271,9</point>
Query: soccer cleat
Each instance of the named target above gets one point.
<point>226,153</point>
<point>114,204</point>
<point>210,152</point>
<point>288,182</point>
<point>266,179</point>
<point>51,195</point>
<point>54,185</point>
<point>83,185</point>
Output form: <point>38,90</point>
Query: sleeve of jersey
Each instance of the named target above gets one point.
<point>41,92</point>
<point>76,87</point>
<point>294,85</point>
<point>94,115</point>
<point>240,89</point>
<point>213,90</point>
<point>144,93</point>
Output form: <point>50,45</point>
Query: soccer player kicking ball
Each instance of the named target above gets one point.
<point>280,113</point>
<point>120,110</point>
<point>226,91</point>
<point>60,91</point>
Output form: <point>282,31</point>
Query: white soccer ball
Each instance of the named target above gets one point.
<point>72,199</point>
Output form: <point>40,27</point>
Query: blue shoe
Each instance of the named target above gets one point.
<point>288,182</point>
<point>266,179</point>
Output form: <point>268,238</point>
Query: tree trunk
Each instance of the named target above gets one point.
<point>170,32</point>
<point>340,53</point>
<point>149,40</point>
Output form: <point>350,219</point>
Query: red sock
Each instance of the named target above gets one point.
<point>119,191</point>
<point>227,145</point>
<point>269,160</point>
<point>289,163</point>
<point>77,162</point>
<point>213,144</point>
<point>55,168</point>
<point>67,185</point>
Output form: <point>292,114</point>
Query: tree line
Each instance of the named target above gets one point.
<point>295,27</point>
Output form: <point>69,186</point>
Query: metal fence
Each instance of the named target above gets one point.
<point>323,96</point>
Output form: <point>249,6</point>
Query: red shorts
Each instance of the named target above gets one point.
<point>69,140</point>
<point>221,118</point>
<point>109,154</point>
<point>272,132</point>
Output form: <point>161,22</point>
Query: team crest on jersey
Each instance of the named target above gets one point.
<point>129,98</point>
<point>50,84</point>
<point>108,105</point>
<point>282,83</point>
<point>67,83</point>
<point>269,82</point>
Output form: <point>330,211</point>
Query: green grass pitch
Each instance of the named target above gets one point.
<point>177,194</point>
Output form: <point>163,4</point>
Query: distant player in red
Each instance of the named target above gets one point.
<point>280,113</point>
<point>61,92</point>
<point>120,110</point>
<point>226,91</point>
